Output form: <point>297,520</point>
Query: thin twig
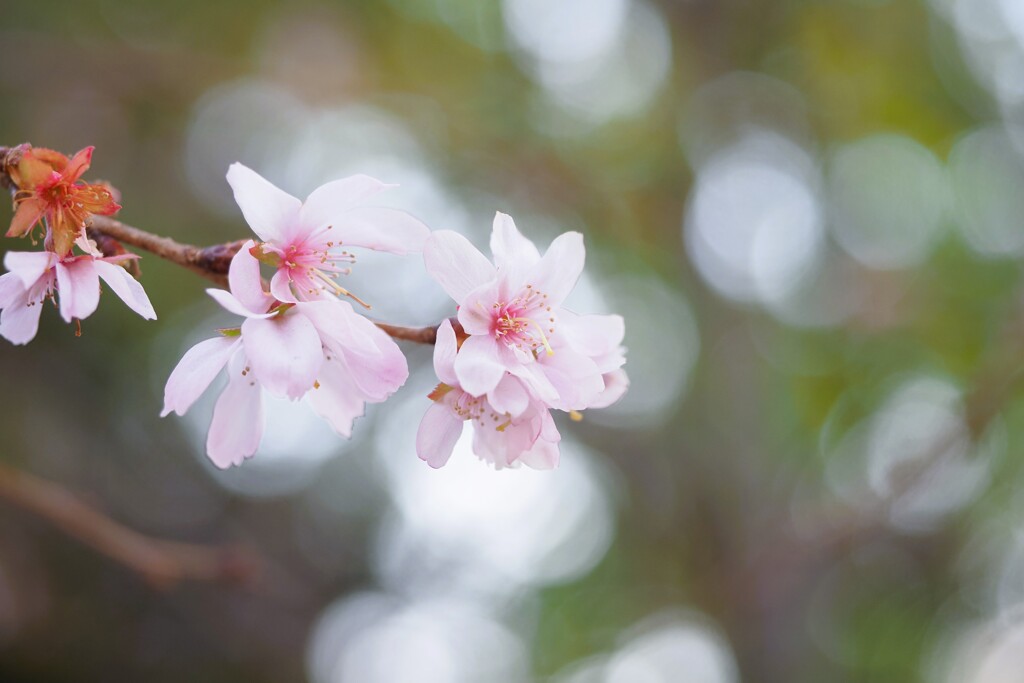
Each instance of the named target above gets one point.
<point>161,563</point>
<point>210,262</point>
<point>213,262</point>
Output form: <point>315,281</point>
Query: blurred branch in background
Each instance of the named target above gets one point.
<point>161,563</point>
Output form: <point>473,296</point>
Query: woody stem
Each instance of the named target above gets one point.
<point>213,262</point>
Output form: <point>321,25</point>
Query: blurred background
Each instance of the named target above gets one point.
<point>809,213</point>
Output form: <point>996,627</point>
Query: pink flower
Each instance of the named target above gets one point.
<point>512,312</point>
<point>320,349</point>
<point>586,369</point>
<point>509,425</point>
<point>308,242</point>
<point>74,280</point>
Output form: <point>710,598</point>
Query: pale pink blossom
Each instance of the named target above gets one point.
<point>73,281</point>
<point>512,311</point>
<point>510,426</point>
<point>322,350</point>
<point>309,242</point>
<point>599,380</point>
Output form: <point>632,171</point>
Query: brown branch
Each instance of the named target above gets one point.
<point>210,262</point>
<point>419,335</point>
<point>161,563</point>
<point>213,262</point>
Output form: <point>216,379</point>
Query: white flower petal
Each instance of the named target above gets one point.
<point>29,266</point>
<point>195,371</point>
<point>328,203</point>
<point>514,255</point>
<point>380,229</point>
<point>270,211</point>
<point>245,280</point>
<point>337,399</point>
<point>445,350</point>
<point>456,264</point>
<point>237,424</point>
<point>228,301</point>
<point>556,274</point>
<point>438,432</point>
<point>78,287</point>
<point>285,353</point>
<point>510,396</point>
<point>339,325</point>
<point>127,288</point>
<point>477,365</point>
<point>19,321</point>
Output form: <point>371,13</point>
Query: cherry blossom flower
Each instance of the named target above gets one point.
<point>49,190</point>
<point>73,280</point>
<point>586,370</point>
<point>322,350</point>
<point>512,311</point>
<point>308,242</point>
<point>510,426</point>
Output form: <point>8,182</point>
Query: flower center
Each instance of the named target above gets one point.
<point>468,407</point>
<point>314,268</point>
<point>69,204</point>
<point>480,411</point>
<point>524,322</point>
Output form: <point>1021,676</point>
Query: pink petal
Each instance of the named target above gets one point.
<point>271,212</point>
<point>593,335</point>
<point>510,396</point>
<point>616,383</point>
<point>281,286</point>
<point>477,365</point>
<point>437,435</point>
<point>445,350</point>
<point>127,288</point>
<point>514,255</point>
<point>339,325</point>
<point>194,373</point>
<point>11,289</point>
<point>476,312</point>
<point>456,264</point>
<point>337,399</point>
<point>285,353</point>
<point>237,424</point>
<point>228,301</point>
<point>19,321</point>
<point>542,456</point>
<point>328,203</point>
<point>556,274</point>
<point>535,377</point>
<point>28,214</point>
<point>611,361</point>
<point>381,373</point>
<point>78,164</point>
<point>576,378</point>
<point>245,280</point>
<point>29,266</point>
<point>503,448</point>
<point>381,229</point>
<point>78,287</point>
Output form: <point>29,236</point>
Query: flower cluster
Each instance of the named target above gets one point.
<point>49,193</point>
<point>522,354</point>
<point>299,339</point>
<point>514,354</point>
